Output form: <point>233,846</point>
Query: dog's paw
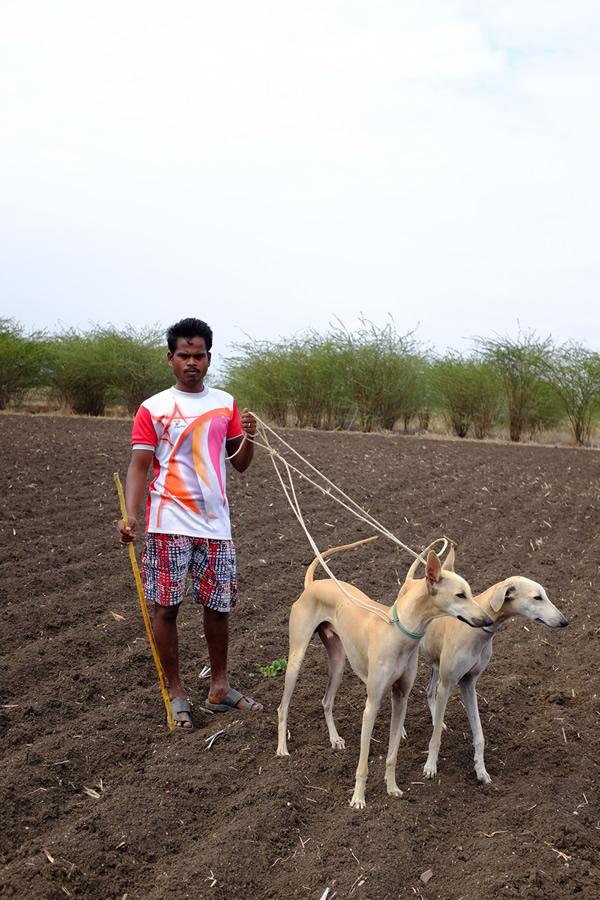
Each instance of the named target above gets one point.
<point>282,751</point>
<point>430,769</point>
<point>357,802</point>
<point>338,744</point>
<point>483,776</point>
<point>394,791</point>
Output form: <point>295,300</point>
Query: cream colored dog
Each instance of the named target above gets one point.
<point>381,645</point>
<point>458,655</point>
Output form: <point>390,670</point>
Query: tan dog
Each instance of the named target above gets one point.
<point>381,644</point>
<point>458,655</point>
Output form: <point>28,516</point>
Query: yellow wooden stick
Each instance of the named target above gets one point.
<point>138,581</point>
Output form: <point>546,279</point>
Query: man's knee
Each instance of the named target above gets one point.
<point>165,614</point>
<point>215,615</point>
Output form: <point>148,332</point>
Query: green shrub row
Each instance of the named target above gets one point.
<point>375,378</point>
<point>369,378</point>
<point>87,371</point>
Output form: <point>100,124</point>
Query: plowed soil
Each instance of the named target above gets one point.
<point>168,815</point>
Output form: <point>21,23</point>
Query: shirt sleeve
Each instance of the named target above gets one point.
<point>235,423</point>
<point>143,429</point>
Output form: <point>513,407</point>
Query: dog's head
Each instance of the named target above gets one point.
<point>448,564</point>
<point>451,595</point>
<point>519,596</point>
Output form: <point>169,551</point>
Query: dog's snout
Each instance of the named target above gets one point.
<point>557,623</point>
<point>480,622</point>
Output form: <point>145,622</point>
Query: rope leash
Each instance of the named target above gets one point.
<point>293,501</point>
<point>351,506</point>
<point>242,442</point>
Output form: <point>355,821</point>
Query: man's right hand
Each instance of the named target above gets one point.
<point>127,532</point>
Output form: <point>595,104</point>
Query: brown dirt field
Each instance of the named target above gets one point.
<point>80,704</point>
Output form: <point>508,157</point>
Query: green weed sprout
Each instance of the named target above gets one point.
<point>278,665</point>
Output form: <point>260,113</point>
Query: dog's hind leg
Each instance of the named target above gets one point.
<point>337,660</point>
<point>301,631</point>
<point>469,694</point>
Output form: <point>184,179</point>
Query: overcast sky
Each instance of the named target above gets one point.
<point>270,166</point>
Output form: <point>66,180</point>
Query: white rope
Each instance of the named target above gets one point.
<point>242,442</point>
<point>351,506</point>
<point>354,508</point>
<point>293,501</point>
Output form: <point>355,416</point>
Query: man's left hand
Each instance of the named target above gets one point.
<point>248,423</point>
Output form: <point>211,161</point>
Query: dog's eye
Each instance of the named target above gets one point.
<point>462,596</point>
<point>538,598</point>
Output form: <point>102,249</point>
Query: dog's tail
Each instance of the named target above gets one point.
<point>448,563</point>
<point>310,572</point>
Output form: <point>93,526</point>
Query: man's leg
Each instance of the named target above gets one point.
<point>167,644</point>
<point>216,632</point>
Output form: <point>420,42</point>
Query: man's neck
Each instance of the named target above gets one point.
<point>185,389</point>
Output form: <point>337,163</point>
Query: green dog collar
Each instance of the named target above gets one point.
<point>410,634</point>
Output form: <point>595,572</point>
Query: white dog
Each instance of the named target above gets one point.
<point>381,645</point>
<point>458,655</point>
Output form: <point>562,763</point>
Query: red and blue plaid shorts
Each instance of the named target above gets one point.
<point>167,559</point>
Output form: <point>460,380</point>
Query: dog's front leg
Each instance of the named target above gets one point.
<point>362,770</point>
<point>432,691</point>
<point>400,693</point>
<point>396,733</point>
<point>441,701</point>
<point>469,695</point>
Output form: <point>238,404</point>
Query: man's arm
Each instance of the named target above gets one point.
<point>135,488</point>
<point>240,461</point>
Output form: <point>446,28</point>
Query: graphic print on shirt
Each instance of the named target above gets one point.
<point>187,466</point>
<point>188,494</point>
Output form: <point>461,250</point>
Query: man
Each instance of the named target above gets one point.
<point>186,432</point>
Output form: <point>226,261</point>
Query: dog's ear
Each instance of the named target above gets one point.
<point>433,571</point>
<point>500,596</point>
<point>449,562</point>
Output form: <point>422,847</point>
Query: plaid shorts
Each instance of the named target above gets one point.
<point>167,559</point>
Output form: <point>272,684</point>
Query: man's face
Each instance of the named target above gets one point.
<point>190,363</point>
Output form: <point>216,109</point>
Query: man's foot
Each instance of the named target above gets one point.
<point>181,714</point>
<point>233,700</point>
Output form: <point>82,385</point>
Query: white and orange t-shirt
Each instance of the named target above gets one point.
<point>187,432</point>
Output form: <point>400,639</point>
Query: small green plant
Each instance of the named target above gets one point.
<point>278,665</point>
